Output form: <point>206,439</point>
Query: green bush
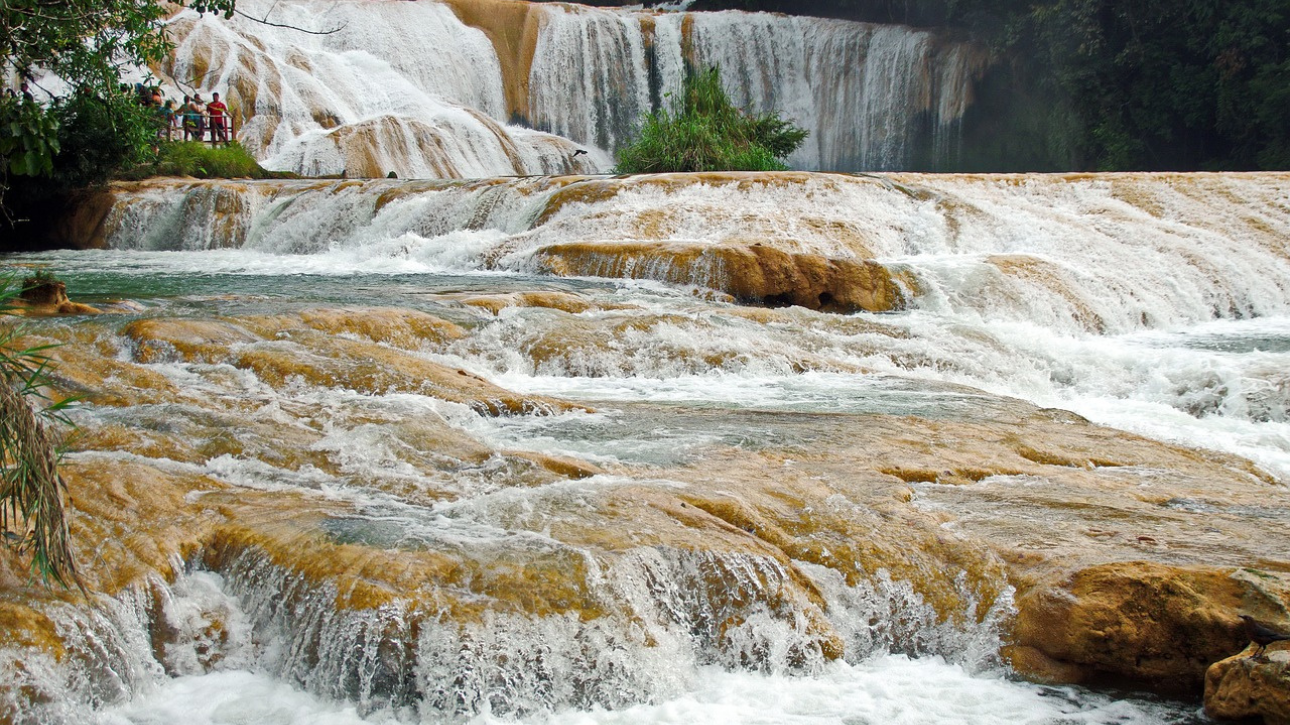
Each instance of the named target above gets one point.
<point>92,137</point>
<point>708,133</point>
<point>194,158</point>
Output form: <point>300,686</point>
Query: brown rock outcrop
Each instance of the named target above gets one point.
<point>46,296</point>
<point>1157,625</point>
<point>1242,687</point>
<point>753,274</point>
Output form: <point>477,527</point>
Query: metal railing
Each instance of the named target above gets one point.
<point>200,127</point>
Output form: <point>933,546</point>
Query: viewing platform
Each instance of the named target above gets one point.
<point>205,128</point>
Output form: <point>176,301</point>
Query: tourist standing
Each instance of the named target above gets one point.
<point>194,129</point>
<point>218,119</point>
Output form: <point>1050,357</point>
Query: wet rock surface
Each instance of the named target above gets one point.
<point>1101,555</point>
<point>1244,686</point>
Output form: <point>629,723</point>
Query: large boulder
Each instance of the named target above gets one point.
<point>1244,686</point>
<point>1151,624</point>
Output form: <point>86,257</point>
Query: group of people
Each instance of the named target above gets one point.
<point>199,116</point>
<point>195,117</point>
<point>27,97</point>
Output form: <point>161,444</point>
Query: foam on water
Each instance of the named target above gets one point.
<point>889,689</point>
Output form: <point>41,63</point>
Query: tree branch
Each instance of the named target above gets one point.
<point>264,21</point>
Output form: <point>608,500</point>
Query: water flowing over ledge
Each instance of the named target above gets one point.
<point>558,447</point>
<point>453,89</point>
<point>1108,254</point>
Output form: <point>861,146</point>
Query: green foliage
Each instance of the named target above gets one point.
<point>708,133</point>
<point>28,138</point>
<point>87,43</point>
<point>93,138</point>
<point>1108,84</point>
<point>32,516</point>
<point>193,158</point>
<point>1161,84</point>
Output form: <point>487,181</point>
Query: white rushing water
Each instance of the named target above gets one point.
<point>1132,300</point>
<point>408,87</point>
<point>391,86</point>
<point>1157,304</point>
<point>890,689</point>
<point>219,669</point>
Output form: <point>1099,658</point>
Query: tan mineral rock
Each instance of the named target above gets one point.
<point>754,273</point>
<point>1156,625</point>
<point>1128,559</point>
<point>43,297</point>
<point>1244,686</point>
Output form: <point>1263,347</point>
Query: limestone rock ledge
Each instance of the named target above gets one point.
<point>1154,625</point>
<point>1245,687</point>
<point>753,274</point>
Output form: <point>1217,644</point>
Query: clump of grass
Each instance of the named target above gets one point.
<point>707,132</point>
<point>33,520</point>
<point>193,158</point>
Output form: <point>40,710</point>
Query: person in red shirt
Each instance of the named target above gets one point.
<point>217,110</point>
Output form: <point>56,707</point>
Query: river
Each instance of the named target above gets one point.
<point>390,451</point>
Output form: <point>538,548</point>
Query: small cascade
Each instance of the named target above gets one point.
<point>668,613</point>
<point>1061,254</point>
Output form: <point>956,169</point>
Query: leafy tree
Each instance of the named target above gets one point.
<point>1160,84</point>
<point>708,133</point>
<point>88,44</point>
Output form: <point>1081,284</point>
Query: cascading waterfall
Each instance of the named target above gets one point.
<point>404,658</point>
<point>409,87</point>
<point>871,96</point>
<point>390,449</point>
<point>993,247</point>
<point>392,86</point>
<point>1062,258</point>
<point>590,76</point>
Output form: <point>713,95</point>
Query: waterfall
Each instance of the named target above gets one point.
<point>590,78</point>
<point>410,87</point>
<point>392,86</point>
<point>871,96</point>
<point>520,448</point>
